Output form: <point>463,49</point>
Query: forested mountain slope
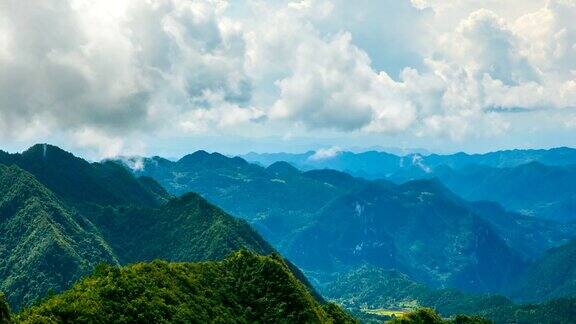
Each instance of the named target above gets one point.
<point>552,276</point>
<point>44,245</point>
<point>277,200</point>
<point>416,228</point>
<point>187,228</point>
<point>49,240</point>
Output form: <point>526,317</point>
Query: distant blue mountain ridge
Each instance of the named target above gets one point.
<point>540,183</point>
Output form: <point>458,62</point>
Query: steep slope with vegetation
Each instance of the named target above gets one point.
<point>416,228</point>
<point>244,288</point>
<point>44,245</point>
<point>552,276</point>
<point>50,240</point>
<point>187,228</point>
<point>277,200</point>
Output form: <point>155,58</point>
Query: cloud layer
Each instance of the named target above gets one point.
<point>106,71</point>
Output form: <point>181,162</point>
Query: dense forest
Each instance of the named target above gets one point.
<point>243,288</point>
<point>52,235</point>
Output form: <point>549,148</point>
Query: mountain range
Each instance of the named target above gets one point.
<point>277,200</point>
<point>369,244</point>
<point>378,164</point>
<point>541,183</point>
<point>329,222</point>
<point>543,191</point>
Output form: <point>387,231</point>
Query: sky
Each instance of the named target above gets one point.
<point>168,77</point>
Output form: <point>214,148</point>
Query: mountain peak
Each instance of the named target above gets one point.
<point>213,160</point>
<point>74,179</point>
<point>196,157</point>
<point>282,167</point>
<point>47,153</point>
<point>44,149</point>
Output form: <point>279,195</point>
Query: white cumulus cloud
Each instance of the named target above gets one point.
<point>106,71</point>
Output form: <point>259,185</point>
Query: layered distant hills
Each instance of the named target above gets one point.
<point>277,200</point>
<point>540,183</point>
<point>534,189</point>
<point>329,222</point>
<point>374,164</point>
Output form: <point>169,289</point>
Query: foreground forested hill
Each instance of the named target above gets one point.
<point>243,288</point>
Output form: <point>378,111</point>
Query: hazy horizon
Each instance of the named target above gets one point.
<point>330,150</point>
